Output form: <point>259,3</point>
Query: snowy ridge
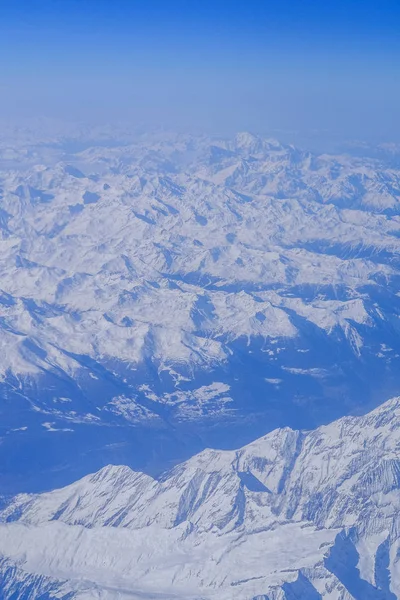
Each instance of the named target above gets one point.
<point>305,515</point>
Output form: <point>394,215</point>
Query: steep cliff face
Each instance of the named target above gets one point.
<point>293,515</point>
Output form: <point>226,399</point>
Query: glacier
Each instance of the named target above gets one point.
<point>294,515</point>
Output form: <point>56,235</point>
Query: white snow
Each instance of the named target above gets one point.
<point>235,524</point>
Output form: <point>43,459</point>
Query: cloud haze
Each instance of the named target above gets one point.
<point>214,66</point>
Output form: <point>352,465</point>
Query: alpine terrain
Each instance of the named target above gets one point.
<point>199,340</point>
<point>293,515</point>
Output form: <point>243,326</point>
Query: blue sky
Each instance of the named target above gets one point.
<point>330,66</point>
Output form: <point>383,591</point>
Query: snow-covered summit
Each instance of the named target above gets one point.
<point>291,515</point>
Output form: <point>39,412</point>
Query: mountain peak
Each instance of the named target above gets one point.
<point>275,515</point>
<point>255,144</point>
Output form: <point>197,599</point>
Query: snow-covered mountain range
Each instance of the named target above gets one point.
<point>166,293</point>
<point>220,317</point>
<point>294,515</point>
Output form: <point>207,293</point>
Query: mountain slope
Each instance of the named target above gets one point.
<point>292,515</point>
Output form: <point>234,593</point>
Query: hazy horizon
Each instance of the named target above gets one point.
<point>211,66</point>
